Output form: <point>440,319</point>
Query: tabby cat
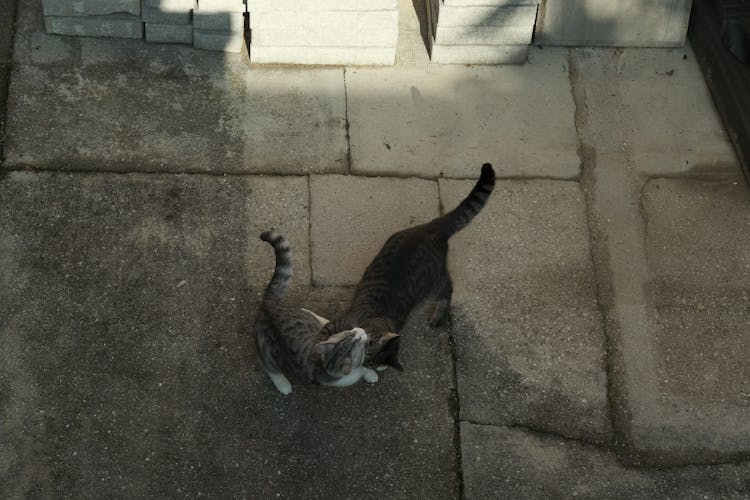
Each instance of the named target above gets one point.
<point>411,267</point>
<point>289,342</point>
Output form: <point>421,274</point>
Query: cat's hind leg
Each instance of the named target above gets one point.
<point>281,382</point>
<point>442,302</point>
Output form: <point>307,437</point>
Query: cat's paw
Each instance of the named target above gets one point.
<point>359,334</point>
<point>281,383</point>
<point>369,375</point>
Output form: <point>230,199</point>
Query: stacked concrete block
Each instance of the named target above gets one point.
<point>219,25</point>
<point>621,23</point>
<point>104,18</point>
<point>340,32</point>
<point>168,21</point>
<point>480,31</point>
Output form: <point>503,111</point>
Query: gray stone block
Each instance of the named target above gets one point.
<point>113,25</point>
<point>169,33</point>
<point>67,8</point>
<point>664,132</point>
<point>352,217</point>
<point>642,23</point>
<point>483,15</point>
<point>325,28</point>
<point>485,3</point>
<point>530,344</point>
<point>153,15</point>
<point>478,54</point>
<point>321,5</point>
<point>171,5</point>
<point>341,56</point>
<point>222,6</point>
<point>411,122</point>
<point>483,35</point>
<point>218,40</point>
<point>515,463</point>
<point>515,28</point>
<point>233,22</point>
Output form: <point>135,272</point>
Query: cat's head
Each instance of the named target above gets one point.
<point>383,351</point>
<point>342,352</point>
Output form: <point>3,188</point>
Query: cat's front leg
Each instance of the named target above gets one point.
<point>369,375</point>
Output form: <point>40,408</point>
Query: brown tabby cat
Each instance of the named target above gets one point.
<point>411,267</point>
<point>288,340</point>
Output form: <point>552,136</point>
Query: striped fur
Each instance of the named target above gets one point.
<point>288,339</point>
<point>410,268</point>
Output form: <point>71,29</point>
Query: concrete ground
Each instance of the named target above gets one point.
<point>598,338</point>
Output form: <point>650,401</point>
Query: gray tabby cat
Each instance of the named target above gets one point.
<point>288,340</point>
<point>411,267</point>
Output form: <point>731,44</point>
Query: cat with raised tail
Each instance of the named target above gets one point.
<point>289,340</point>
<point>410,268</point>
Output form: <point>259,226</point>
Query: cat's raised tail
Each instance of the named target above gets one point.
<point>459,217</point>
<point>283,272</point>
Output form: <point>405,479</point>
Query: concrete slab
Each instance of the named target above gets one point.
<point>530,348</point>
<point>695,247</point>
<point>126,362</point>
<point>127,105</point>
<point>521,464</point>
<point>447,120</point>
<point>639,23</point>
<point>649,88</point>
<point>352,217</point>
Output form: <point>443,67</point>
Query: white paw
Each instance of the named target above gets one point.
<point>359,334</point>
<point>380,368</point>
<point>281,383</point>
<point>370,375</point>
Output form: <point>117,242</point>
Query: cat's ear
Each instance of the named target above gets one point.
<point>389,343</point>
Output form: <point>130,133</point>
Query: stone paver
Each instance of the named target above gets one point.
<point>126,361</point>
<point>446,120</point>
<point>529,340</point>
<point>352,217</point>
<point>513,463</point>
<point>125,105</point>
<point>696,246</point>
<point>667,119</point>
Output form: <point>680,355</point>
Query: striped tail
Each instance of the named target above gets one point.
<point>283,272</point>
<point>459,217</point>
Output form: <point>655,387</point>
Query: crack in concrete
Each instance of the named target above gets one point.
<point>346,128</point>
<point>597,251</point>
